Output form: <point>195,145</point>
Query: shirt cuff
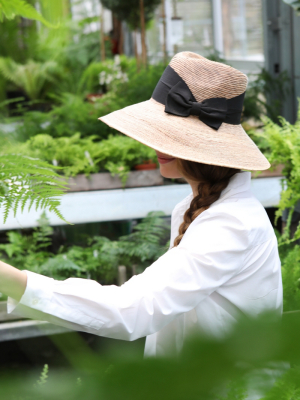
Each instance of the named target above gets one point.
<point>38,292</point>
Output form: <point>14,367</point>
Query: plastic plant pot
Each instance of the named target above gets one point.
<point>147,165</point>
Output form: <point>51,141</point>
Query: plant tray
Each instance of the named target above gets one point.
<point>106,181</point>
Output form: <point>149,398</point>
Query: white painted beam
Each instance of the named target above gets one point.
<point>26,329</point>
<point>123,204</point>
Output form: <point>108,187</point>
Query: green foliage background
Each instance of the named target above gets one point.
<point>98,259</point>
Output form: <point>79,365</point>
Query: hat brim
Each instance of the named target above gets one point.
<point>187,138</point>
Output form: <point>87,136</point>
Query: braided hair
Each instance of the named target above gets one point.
<point>211,179</point>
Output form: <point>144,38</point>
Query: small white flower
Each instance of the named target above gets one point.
<point>95,253</point>
<point>55,162</point>
<point>88,156</point>
<point>102,77</point>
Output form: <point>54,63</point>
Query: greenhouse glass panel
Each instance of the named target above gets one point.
<point>189,26</point>
<point>196,22</point>
<point>242,29</point>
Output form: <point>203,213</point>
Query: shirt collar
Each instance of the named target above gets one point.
<point>240,182</point>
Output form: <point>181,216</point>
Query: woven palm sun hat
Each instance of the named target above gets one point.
<point>194,114</point>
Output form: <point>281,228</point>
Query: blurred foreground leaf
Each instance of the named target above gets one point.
<point>261,356</point>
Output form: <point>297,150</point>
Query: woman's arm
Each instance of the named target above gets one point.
<point>12,281</point>
<point>173,285</point>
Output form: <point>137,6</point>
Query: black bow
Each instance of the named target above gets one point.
<point>181,102</point>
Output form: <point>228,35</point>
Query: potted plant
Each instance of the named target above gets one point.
<point>146,165</point>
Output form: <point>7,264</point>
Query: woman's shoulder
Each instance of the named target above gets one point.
<point>236,219</point>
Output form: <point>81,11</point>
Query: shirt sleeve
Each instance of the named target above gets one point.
<point>210,253</point>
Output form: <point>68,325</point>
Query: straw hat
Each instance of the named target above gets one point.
<point>194,114</point>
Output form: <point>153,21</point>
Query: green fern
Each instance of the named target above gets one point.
<point>147,243</point>
<point>24,180</point>
<point>30,77</point>
<point>282,146</point>
<point>11,8</point>
<point>43,377</point>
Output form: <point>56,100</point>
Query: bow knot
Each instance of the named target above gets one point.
<point>180,101</point>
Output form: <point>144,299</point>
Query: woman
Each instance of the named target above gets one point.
<point>223,260</point>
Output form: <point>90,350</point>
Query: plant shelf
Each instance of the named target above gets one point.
<point>126,204</point>
<point>27,329</point>
<point>105,181</point>
<point>12,328</point>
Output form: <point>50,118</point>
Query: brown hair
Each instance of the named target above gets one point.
<point>212,180</point>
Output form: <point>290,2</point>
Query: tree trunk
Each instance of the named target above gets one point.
<point>143,33</point>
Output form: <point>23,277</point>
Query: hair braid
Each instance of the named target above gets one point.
<point>212,181</point>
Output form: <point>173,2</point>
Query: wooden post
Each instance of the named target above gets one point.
<point>102,40</point>
<point>121,275</point>
<point>121,38</point>
<point>175,47</point>
<point>164,31</point>
<point>137,56</point>
<point>143,33</point>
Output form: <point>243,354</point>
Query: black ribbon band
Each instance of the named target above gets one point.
<point>174,93</point>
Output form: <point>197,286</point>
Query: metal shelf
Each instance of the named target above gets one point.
<point>26,329</point>
<point>123,204</point>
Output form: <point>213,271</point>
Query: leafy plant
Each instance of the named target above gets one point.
<point>31,77</point>
<point>98,260</point>
<point>291,277</point>
<point>29,251</point>
<point>43,377</point>
<point>257,359</point>
<point>75,155</point>
<point>104,75</point>
<point>147,243</point>
<point>29,182</point>
<point>59,123</point>
<point>74,49</point>
<point>139,86</point>
<point>282,144</point>
<point>11,39</point>
<point>265,95</point>
<point>11,8</point>
<point>84,117</point>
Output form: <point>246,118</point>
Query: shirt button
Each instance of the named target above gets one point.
<point>35,301</point>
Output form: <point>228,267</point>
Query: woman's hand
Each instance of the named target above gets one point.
<point>12,281</point>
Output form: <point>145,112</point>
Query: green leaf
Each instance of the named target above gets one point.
<point>11,8</point>
<point>25,180</point>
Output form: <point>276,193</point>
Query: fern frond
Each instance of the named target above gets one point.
<point>12,8</point>
<point>31,77</point>
<point>24,179</point>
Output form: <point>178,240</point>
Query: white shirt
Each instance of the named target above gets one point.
<point>227,264</point>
